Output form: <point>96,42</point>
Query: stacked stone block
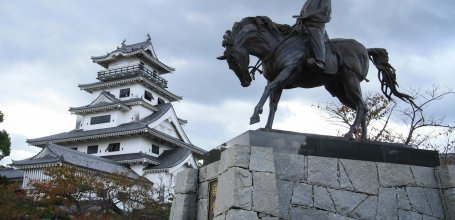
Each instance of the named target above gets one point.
<point>206,175</point>
<point>331,188</point>
<point>446,178</point>
<point>256,183</point>
<point>185,195</point>
<point>246,184</point>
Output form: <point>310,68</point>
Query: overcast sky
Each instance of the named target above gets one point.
<point>45,50</point>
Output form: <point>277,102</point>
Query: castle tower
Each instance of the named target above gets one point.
<point>130,121</point>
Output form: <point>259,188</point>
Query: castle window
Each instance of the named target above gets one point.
<point>124,93</point>
<point>100,119</point>
<point>73,148</point>
<point>112,147</point>
<point>155,149</point>
<point>92,149</point>
<point>148,96</point>
<point>160,101</point>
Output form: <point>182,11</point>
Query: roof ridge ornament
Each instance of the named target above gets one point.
<point>152,51</point>
<point>123,43</point>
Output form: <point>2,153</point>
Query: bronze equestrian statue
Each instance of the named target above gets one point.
<point>283,52</point>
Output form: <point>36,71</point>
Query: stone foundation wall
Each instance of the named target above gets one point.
<point>256,183</point>
<point>446,179</point>
<point>185,195</point>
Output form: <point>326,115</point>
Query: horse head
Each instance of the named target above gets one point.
<point>258,36</point>
<point>237,58</point>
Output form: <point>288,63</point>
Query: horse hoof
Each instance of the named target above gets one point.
<point>254,120</point>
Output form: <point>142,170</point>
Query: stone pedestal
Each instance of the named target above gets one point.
<point>266,182</point>
<point>185,195</point>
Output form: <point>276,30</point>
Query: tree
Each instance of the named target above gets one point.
<point>5,141</point>
<point>385,119</point>
<point>377,118</point>
<point>415,117</point>
<point>14,203</point>
<point>70,192</point>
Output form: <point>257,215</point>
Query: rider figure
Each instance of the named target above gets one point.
<point>313,16</point>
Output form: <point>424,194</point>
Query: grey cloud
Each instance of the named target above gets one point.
<point>18,144</point>
<point>64,34</point>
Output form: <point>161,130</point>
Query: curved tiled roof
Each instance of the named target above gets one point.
<point>90,87</point>
<point>54,153</point>
<point>170,158</point>
<point>11,173</point>
<point>167,160</point>
<point>112,103</point>
<point>137,127</point>
<point>133,47</point>
<point>121,105</point>
<point>131,126</point>
<point>139,49</point>
<point>127,158</point>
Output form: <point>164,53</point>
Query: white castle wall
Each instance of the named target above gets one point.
<point>138,169</point>
<point>136,91</point>
<point>167,178</point>
<point>134,144</point>
<point>136,113</point>
<point>129,61</point>
<point>85,120</point>
<point>125,61</point>
<point>33,174</point>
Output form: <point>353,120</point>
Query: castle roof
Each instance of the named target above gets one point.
<point>55,154</point>
<point>134,158</point>
<point>169,158</point>
<point>131,128</point>
<point>146,81</point>
<point>12,174</point>
<point>143,50</point>
<point>106,101</point>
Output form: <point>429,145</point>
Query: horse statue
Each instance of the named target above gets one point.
<point>282,50</point>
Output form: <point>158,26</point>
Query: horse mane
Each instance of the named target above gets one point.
<point>262,22</point>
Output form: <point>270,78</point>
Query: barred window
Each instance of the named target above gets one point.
<point>100,119</point>
<point>155,149</point>
<point>148,96</point>
<point>113,147</point>
<point>92,149</point>
<point>124,92</point>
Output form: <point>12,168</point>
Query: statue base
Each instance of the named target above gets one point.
<point>333,147</point>
<point>274,175</point>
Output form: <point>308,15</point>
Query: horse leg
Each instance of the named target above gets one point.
<point>273,105</point>
<point>354,95</point>
<point>337,90</point>
<point>279,81</point>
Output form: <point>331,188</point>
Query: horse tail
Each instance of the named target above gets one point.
<point>387,75</point>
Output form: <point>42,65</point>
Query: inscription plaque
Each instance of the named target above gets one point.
<point>213,188</point>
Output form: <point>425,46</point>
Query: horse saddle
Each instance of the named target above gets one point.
<point>331,59</point>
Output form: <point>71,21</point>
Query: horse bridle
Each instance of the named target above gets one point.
<point>227,43</point>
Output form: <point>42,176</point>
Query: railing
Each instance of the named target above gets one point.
<point>129,71</point>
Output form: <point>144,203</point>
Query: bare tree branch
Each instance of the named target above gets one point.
<point>422,129</point>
